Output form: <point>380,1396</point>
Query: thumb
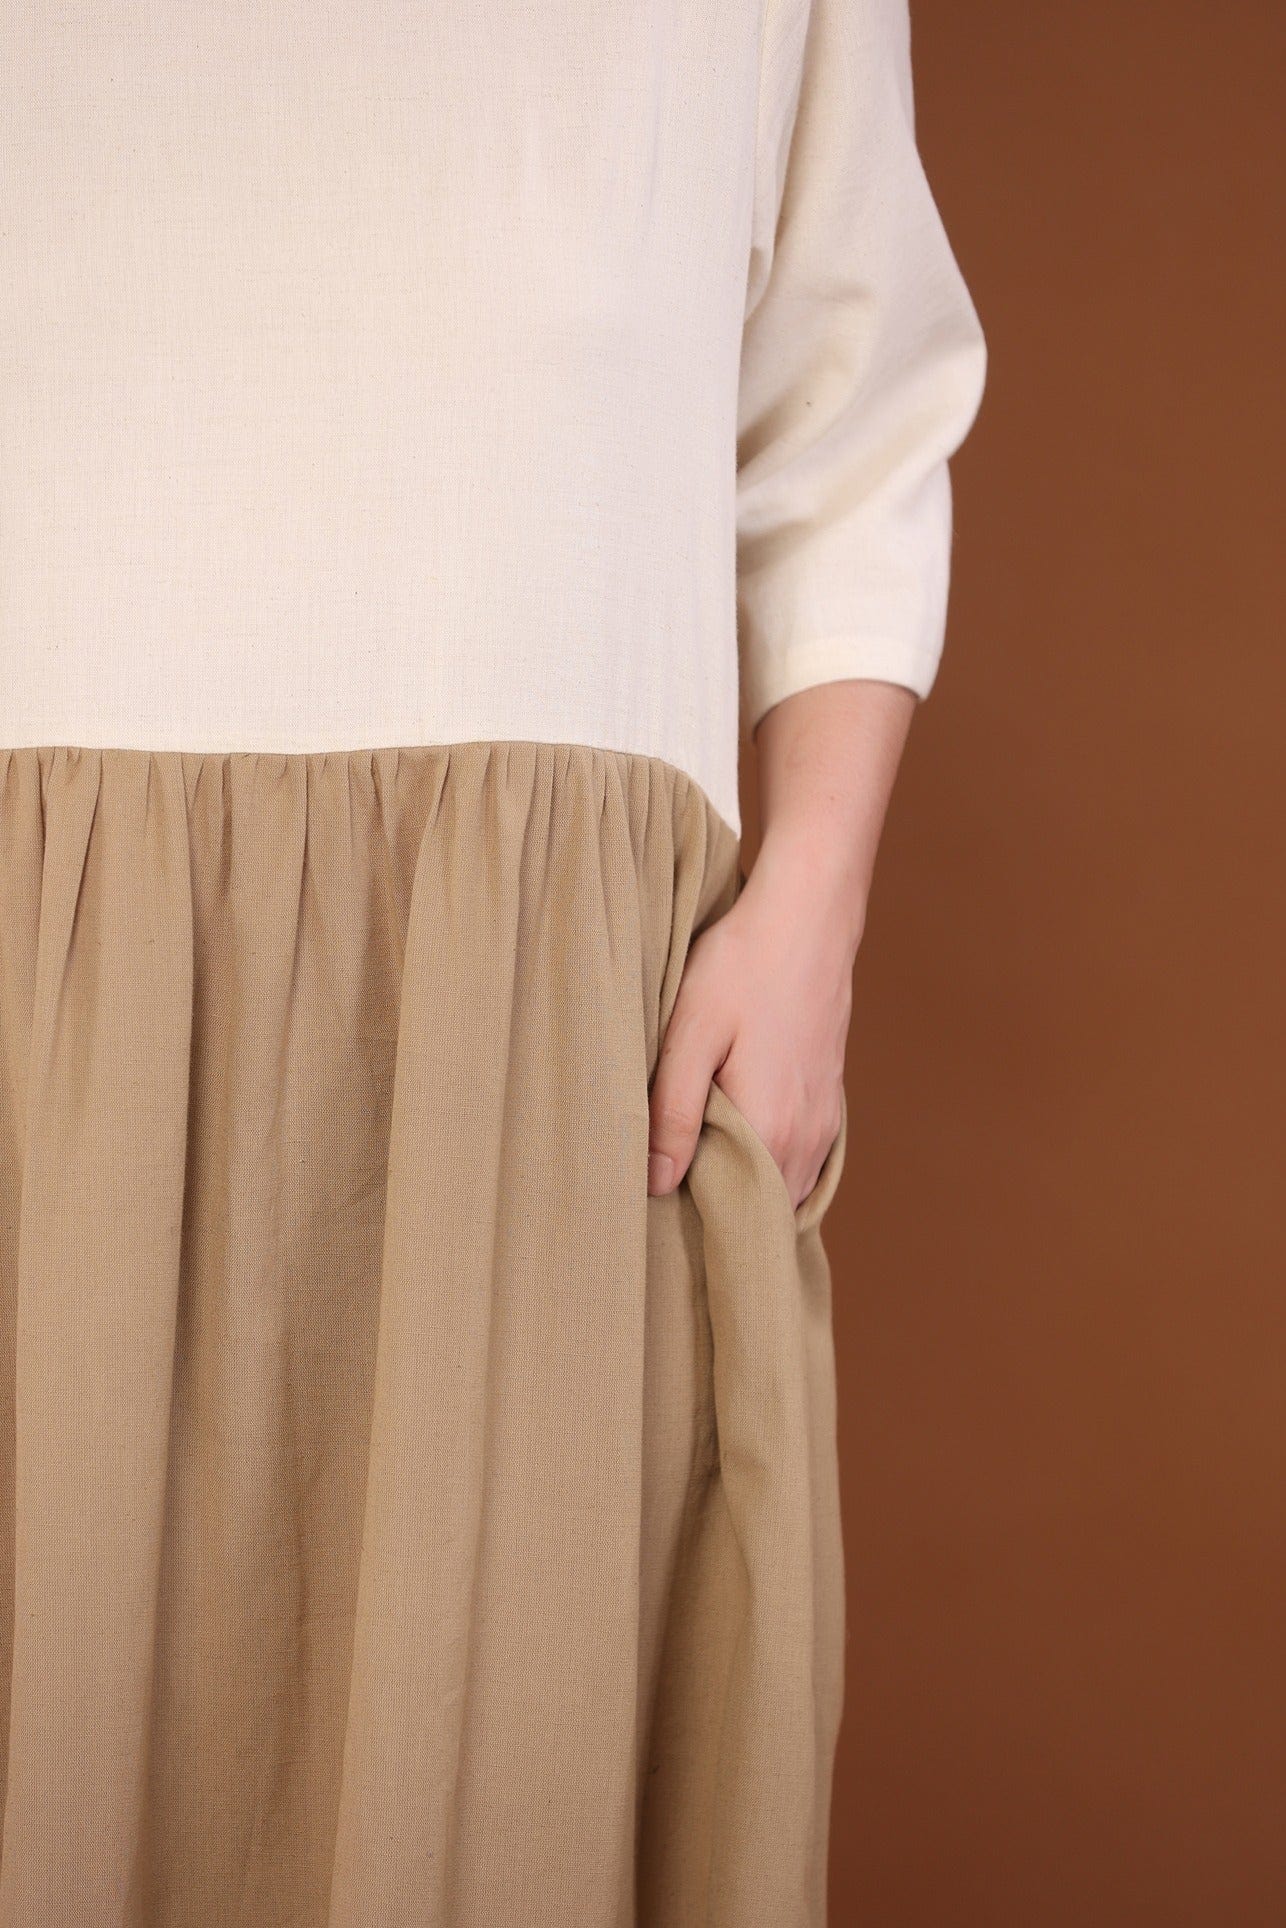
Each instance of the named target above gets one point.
<point>690,1056</point>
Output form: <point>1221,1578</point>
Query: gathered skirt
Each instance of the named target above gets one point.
<point>404,1519</point>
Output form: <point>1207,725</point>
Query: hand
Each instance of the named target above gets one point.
<point>762,1010</point>
<point>764,1003</point>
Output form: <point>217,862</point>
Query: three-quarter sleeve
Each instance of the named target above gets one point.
<point>862,367</point>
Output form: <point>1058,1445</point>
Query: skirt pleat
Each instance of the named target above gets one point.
<point>404,1518</point>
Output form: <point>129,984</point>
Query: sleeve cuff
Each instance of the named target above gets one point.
<point>834,659</point>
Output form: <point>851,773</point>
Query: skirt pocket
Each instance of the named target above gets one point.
<point>762,1669</point>
<point>723,1113</point>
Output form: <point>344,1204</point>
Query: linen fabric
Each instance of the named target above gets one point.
<point>384,374</point>
<point>404,1518</point>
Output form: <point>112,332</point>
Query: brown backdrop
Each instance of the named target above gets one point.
<point>1059,1254</point>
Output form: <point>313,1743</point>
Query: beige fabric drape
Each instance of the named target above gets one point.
<point>403,1518</point>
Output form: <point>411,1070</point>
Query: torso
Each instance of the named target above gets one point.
<point>368,375</point>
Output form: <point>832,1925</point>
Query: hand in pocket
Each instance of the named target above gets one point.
<point>762,1011</point>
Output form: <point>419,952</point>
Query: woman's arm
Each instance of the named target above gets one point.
<point>862,368</point>
<point>763,1007</point>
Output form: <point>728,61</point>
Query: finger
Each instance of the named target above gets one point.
<point>802,1182</point>
<point>803,1189</point>
<point>689,1059</point>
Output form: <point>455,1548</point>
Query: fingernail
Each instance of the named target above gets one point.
<point>660,1172</point>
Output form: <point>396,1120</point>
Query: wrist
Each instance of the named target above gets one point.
<point>808,872</point>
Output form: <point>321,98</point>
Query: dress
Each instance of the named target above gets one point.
<point>426,436</point>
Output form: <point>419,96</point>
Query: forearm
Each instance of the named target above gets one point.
<point>764,1004</point>
<point>827,760</point>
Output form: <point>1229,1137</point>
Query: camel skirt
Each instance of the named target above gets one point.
<point>403,1518</point>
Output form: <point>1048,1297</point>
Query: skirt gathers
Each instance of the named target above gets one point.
<point>403,1518</point>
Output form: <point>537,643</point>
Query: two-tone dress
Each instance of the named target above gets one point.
<point>429,431</point>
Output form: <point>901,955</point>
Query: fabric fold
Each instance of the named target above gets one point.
<point>405,1518</point>
<point>96,1278</point>
<point>750,1681</point>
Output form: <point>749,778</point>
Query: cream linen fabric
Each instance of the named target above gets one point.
<point>404,1521</point>
<point>391,374</point>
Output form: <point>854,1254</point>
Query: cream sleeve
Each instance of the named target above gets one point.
<point>862,367</point>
